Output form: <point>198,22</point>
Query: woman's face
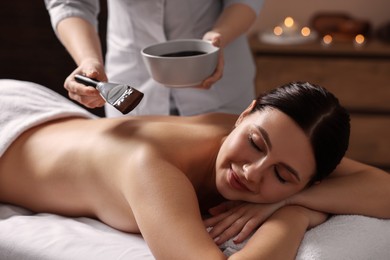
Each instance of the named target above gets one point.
<point>265,159</point>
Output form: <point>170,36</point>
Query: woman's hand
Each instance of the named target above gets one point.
<point>87,96</point>
<point>216,40</point>
<point>238,219</point>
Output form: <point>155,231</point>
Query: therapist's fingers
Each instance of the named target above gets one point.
<point>86,95</point>
<point>214,37</point>
<point>88,101</point>
<point>217,75</point>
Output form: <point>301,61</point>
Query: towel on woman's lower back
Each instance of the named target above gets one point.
<point>24,105</point>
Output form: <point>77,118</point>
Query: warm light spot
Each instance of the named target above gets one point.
<point>305,31</point>
<point>278,30</point>
<point>359,39</point>
<point>289,21</point>
<point>327,39</point>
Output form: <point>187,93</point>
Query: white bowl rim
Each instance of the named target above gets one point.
<point>215,48</point>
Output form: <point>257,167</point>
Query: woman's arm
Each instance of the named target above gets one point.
<point>237,219</point>
<point>280,236</point>
<point>353,188</point>
<point>166,210</point>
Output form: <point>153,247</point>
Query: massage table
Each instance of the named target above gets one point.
<point>28,236</point>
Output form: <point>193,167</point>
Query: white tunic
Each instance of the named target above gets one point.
<point>135,24</point>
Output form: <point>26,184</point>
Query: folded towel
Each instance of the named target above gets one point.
<point>341,237</point>
<point>24,105</point>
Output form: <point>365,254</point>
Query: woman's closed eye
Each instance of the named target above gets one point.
<point>279,176</point>
<point>252,142</point>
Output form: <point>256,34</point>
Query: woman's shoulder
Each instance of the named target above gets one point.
<point>215,119</point>
<point>211,119</point>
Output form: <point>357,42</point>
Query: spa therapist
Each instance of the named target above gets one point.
<point>133,25</point>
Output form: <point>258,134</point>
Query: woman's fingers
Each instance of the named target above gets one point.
<point>238,220</point>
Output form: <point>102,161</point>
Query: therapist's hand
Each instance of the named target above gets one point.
<point>86,95</point>
<point>216,39</point>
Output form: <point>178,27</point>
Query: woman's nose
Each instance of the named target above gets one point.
<point>254,172</point>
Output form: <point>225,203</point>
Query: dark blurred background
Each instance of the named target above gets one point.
<point>29,48</point>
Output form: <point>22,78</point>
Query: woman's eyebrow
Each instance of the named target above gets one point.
<point>264,134</point>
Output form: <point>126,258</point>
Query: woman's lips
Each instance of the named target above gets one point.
<point>235,182</point>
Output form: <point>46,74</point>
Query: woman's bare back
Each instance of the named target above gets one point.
<point>77,167</point>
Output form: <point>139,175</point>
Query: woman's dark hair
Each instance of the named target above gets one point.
<point>319,114</point>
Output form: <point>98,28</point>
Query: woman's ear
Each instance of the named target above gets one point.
<point>245,112</point>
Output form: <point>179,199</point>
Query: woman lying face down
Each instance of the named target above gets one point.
<point>154,174</point>
<point>286,140</point>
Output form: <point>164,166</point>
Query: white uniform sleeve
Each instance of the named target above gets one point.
<point>254,4</point>
<point>61,9</point>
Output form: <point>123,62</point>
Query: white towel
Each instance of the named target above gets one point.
<point>343,237</point>
<point>24,105</point>
<point>347,237</point>
<point>28,236</point>
<point>24,235</point>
